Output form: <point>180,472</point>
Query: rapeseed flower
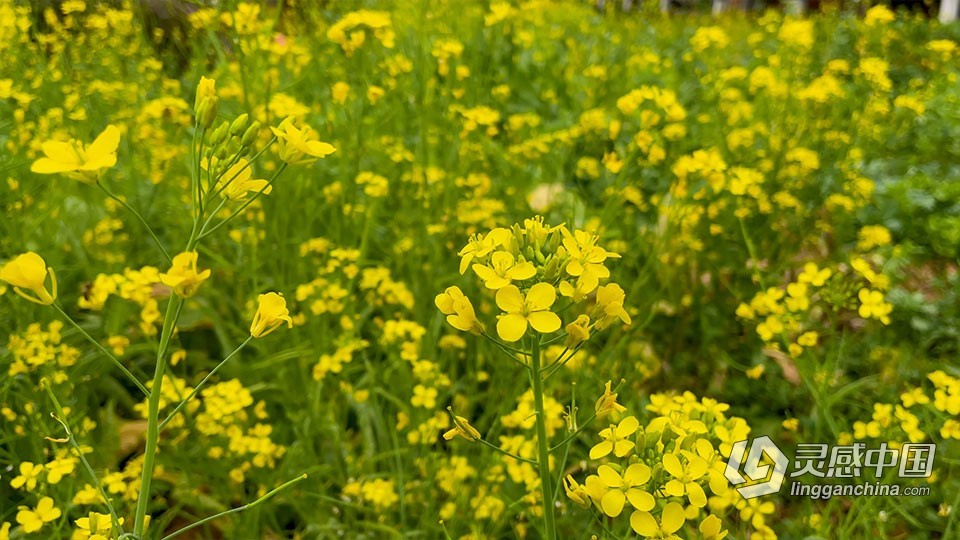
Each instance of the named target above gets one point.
<point>462,428</point>
<point>616,439</point>
<point>184,277</point>
<point>28,272</point>
<point>77,161</point>
<point>532,309</point>
<point>671,519</point>
<point>503,269</point>
<point>458,309</point>
<point>271,313</point>
<point>299,146</point>
<point>32,520</point>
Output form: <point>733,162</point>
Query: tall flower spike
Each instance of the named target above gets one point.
<point>271,313</point>
<point>28,272</point>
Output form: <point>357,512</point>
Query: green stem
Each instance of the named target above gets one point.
<point>203,230</point>
<point>146,225</point>
<point>153,413</point>
<point>61,418</point>
<point>102,349</point>
<point>508,454</point>
<point>202,382</point>
<point>248,506</point>
<point>546,492</point>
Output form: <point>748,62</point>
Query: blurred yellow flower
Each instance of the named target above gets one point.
<point>183,276</point>
<point>32,520</point>
<point>29,272</point>
<point>271,313</point>
<point>79,162</point>
<point>462,428</point>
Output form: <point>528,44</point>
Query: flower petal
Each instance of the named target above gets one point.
<point>544,322</point>
<point>509,298</point>
<point>511,326</point>
<point>644,524</point>
<point>672,518</point>
<point>612,503</point>
<point>541,296</point>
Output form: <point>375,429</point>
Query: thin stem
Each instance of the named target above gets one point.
<point>558,365</point>
<point>102,349</point>
<point>203,381</point>
<point>153,413</point>
<point>508,351</point>
<point>247,506</point>
<point>204,232</point>
<point>146,225</point>
<point>61,418</point>
<point>543,444</point>
<point>508,454</point>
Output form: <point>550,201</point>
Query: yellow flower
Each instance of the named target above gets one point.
<point>578,331</point>
<point>32,520</point>
<point>585,285</point>
<point>58,468</point>
<point>462,428</point>
<point>685,478</point>
<point>95,526</point>
<point>872,305</point>
<point>504,269</point>
<point>576,492</point>
<point>671,519</point>
<point>77,162</point>
<point>625,488</point>
<point>271,313</point>
<point>183,276</point>
<point>29,473</point>
<point>300,146</point>
<point>534,309</point>
<point>616,439</point>
<point>712,528</point>
<point>458,309</point>
<point>586,257</point>
<point>608,403</point>
<point>610,299</point>
<point>481,246</point>
<point>29,272</point>
<point>236,183</point>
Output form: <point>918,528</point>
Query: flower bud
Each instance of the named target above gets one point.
<point>239,125</point>
<point>250,135</point>
<point>219,134</point>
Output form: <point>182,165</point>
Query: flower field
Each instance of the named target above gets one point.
<point>476,270</point>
